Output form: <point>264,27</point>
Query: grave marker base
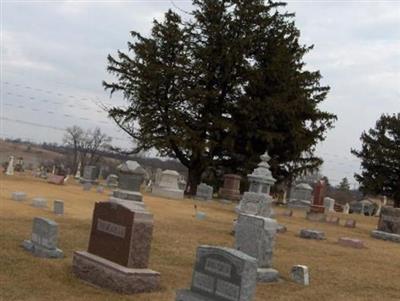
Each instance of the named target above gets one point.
<point>386,236</point>
<point>40,251</point>
<point>267,275</point>
<point>107,274</point>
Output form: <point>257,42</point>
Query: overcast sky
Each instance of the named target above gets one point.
<point>54,59</point>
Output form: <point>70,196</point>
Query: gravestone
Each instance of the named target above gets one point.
<point>221,274</point>
<point>10,167</point>
<point>200,215</point>
<point>261,179</point>
<point>112,181</point>
<point>388,225</point>
<point>351,242</point>
<point>256,204</point>
<point>329,204</point>
<point>312,234</point>
<point>255,236</point>
<point>78,171</point>
<point>300,274</point>
<point>131,176</point>
<point>39,202</point>
<point>44,239</point>
<point>90,174</point>
<point>119,249</point>
<point>346,208</point>
<point>58,207</point>
<point>168,186</point>
<point>317,210</point>
<point>18,196</point>
<point>55,179</point>
<point>333,220</point>
<point>300,196</point>
<point>204,192</point>
<point>231,188</point>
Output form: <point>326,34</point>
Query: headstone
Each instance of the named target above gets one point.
<point>256,204</point>
<point>10,167</point>
<point>168,185</point>
<point>261,178</point>
<point>119,249</point>
<point>388,225</point>
<point>281,229</point>
<point>18,196</point>
<point>78,171</point>
<point>312,234</point>
<point>131,175</point>
<point>329,204</point>
<point>112,181</point>
<point>90,174</point>
<point>39,202</point>
<point>231,188</point>
<point>158,176</point>
<point>204,192</point>
<point>221,274</point>
<point>350,223</point>
<point>300,196</point>
<point>55,179</point>
<point>100,189</point>
<point>316,212</point>
<point>255,236</point>
<point>58,207</point>
<point>44,239</point>
<point>300,274</point>
<point>346,208</point>
<point>351,242</point>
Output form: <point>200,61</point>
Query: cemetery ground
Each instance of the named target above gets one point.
<point>336,272</point>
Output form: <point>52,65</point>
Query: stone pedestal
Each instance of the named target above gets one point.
<point>128,195</point>
<point>388,225</point>
<point>231,188</point>
<point>107,274</point>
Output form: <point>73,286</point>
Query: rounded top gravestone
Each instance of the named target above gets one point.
<point>131,176</point>
<point>261,178</point>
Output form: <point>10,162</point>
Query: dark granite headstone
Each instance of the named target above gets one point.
<point>389,220</point>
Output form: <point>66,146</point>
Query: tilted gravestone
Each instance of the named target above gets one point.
<point>221,274</point>
<point>388,225</point>
<point>119,249</point>
<point>44,239</point>
<point>255,236</point>
<point>204,192</point>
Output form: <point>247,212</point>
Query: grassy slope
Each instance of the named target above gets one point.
<point>337,273</point>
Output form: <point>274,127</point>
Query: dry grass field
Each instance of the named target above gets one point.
<point>337,273</point>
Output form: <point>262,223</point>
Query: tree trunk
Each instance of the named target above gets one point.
<point>194,179</point>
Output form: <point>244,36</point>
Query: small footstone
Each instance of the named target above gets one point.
<point>58,207</point>
<point>200,215</point>
<point>267,275</point>
<point>18,196</point>
<point>312,234</point>
<point>300,275</point>
<point>350,223</point>
<point>351,242</point>
<point>332,220</point>
<point>39,202</point>
<point>281,229</point>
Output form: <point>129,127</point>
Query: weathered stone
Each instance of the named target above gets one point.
<point>301,192</point>
<point>128,195</point>
<point>168,186</point>
<point>99,189</point>
<point>221,274</point>
<point>58,207</point>
<point>256,204</point>
<point>267,275</point>
<point>39,202</point>
<point>346,208</point>
<point>351,242</point>
<point>329,204</point>
<point>200,215</point>
<point>300,274</point>
<point>350,223</point>
<point>18,196</point>
<point>112,276</point>
<point>300,204</point>
<point>317,203</point>
<point>316,216</point>
<point>56,179</point>
<point>386,236</point>
<point>44,239</point>
<point>131,176</point>
<point>255,236</point>
<point>204,192</point>
<point>312,234</point>
<point>389,220</point>
<point>281,229</point>
<point>112,181</point>
<point>261,178</point>
<point>231,188</point>
<point>90,174</point>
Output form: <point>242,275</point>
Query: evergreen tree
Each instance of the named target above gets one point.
<point>344,185</point>
<point>380,158</point>
<point>220,89</point>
